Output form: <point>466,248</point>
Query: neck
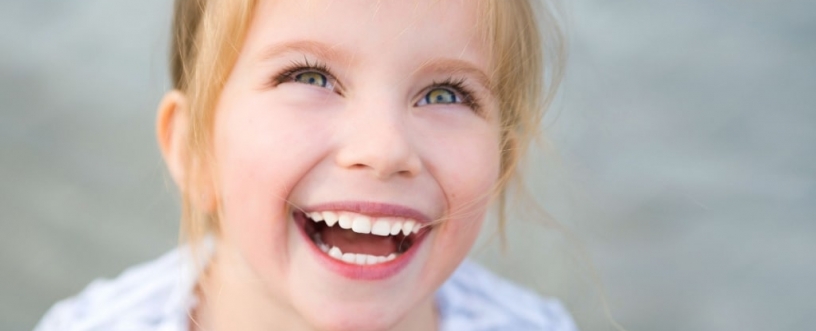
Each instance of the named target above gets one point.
<point>232,297</point>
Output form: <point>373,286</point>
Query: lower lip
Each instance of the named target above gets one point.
<point>361,272</point>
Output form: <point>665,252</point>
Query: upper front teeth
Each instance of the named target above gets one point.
<point>345,221</point>
<point>361,224</point>
<point>381,226</point>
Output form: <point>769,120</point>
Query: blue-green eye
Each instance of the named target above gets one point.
<point>450,92</point>
<point>440,96</point>
<point>312,78</point>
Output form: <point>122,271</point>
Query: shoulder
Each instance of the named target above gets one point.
<point>150,296</point>
<point>476,299</point>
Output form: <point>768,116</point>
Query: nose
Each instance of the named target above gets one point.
<point>380,141</point>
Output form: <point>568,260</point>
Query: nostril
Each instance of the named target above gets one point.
<point>388,155</point>
<point>384,167</point>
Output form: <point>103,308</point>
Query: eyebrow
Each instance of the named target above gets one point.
<point>317,49</point>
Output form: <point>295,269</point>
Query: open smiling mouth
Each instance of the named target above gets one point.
<point>360,239</point>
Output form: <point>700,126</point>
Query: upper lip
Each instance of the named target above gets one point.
<point>374,209</point>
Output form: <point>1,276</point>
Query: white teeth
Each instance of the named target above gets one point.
<point>396,228</point>
<point>316,216</point>
<point>359,259</point>
<point>336,253</point>
<point>381,228</point>
<point>370,259</point>
<point>407,227</point>
<point>365,259</point>
<point>330,217</point>
<point>345,221</point>
<point>361,224</point>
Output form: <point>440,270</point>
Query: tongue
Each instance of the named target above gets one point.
<point>351,242</point>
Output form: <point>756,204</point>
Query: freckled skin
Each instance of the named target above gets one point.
<point>300,143</point>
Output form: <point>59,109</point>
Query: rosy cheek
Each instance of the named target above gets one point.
<point>473,178</point>
<point>469,193</point>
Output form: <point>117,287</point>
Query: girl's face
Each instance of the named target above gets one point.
<point>369,116</point>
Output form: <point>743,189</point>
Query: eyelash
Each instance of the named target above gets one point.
<point>288,74</point>
<point>456,85</point>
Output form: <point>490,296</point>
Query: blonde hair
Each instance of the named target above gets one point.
<point>527,62</point>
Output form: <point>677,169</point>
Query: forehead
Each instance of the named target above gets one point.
<point>372,31</point>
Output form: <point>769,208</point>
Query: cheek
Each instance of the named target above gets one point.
<point>469,169</point>
<point>259,160</point>
<point>251,199</point>
<point>469,198</point>
<point>468,176</point>
<point>263,144</point>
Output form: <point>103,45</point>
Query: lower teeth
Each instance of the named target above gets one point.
<point>352,258</point>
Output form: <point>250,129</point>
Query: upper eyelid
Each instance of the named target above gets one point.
<point>458,70</point>
<point>455,85</point>
<point>304,65</point>
<point>460,87</point>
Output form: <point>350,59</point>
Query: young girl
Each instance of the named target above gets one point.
<point>336,160</point>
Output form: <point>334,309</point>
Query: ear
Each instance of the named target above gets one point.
<point>172,130</point>
<point>172,125</point>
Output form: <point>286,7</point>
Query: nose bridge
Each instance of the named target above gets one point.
<point>378,139</point>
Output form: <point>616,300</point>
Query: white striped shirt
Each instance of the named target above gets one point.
<point>159,294</point>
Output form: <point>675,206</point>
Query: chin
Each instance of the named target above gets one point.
<point>357,318</point>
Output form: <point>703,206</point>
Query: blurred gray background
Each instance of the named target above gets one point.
<point>684,161</point>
